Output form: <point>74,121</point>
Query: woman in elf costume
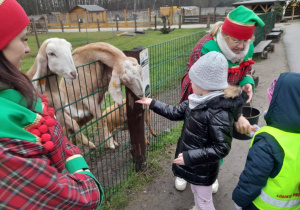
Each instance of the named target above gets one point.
<point>40,169</point>
<point>232,38</point>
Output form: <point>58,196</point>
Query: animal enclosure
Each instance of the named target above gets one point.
<point>112,167</point>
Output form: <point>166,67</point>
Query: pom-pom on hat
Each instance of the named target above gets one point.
<point>240,23</point>
<point>13,20</point>
<point>210,71</point>
<point>271,90</point>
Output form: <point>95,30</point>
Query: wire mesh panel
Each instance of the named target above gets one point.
<point>261,32</point>
<point>168,61</point>
<point>91,119</point>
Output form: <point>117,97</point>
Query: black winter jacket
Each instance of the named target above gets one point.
<point>265,157</point>
<point>206,134</point>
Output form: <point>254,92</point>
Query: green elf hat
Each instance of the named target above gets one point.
<point>240,23</point>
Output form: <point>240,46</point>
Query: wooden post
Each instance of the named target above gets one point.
<point>117,23</point>
<point>79,25</point>
<point>125,14</point>
<point>171,16</point>
<point>200,18</point>
<point>98,24</point>
<point>46,24</point>
<point>135,28</point>
<point>155,24</point>
<point>149,14</point>
<point>293,10</point>
<point>105,17</point>
<point>86,19</point>
<point>87,34</point>
<point>61,23</point>
<point>264,32</point>
<point>215,13</point>
<point>208,20</point>
<point>135,119</point>
<point>36,36</point>
<point>179,21</point>
<point>68,20</point>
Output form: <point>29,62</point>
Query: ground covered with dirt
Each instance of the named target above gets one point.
<point>161,193</point>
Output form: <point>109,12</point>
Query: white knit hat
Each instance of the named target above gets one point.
<point>210,72</point>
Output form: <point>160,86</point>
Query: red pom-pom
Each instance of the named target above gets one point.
<point>42,120</point>
<point>44,98</point>
<point>43,128</point>
<point>50,122</point>
<point>51,112</point>
<point>45,137</point>
<point>35,132</point>
<point>47,117</point>
<point>49,145</point>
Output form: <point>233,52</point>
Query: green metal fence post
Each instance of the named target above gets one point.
<point>135,120</point>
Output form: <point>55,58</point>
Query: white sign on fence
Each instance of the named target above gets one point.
<point>145,71</point>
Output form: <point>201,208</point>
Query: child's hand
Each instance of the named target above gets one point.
<point>146,101</point>
<point>179,160</point>
<point>254,129</point>
<point>248,88</point>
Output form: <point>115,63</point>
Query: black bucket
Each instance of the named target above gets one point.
<point>253,119</point>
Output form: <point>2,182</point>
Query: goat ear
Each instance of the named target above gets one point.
<point>42,61</point>
<point>114,88</point>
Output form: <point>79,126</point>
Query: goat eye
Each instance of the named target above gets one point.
<point>52,54</point>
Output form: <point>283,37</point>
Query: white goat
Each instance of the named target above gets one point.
<point>55,57</point>
<point>94,79</point>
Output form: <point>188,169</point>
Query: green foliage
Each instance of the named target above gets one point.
<point>278,11</point>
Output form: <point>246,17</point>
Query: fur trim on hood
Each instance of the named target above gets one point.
<point>233,97</point>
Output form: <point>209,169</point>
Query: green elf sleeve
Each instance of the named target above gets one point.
<point>77,162</point>
<point>247,79</point>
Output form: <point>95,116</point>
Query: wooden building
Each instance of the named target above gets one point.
<point>53,17</point>
<point>89,13</point>
<point>292,10</point>
<point>40,23</point>
<point>259,6</point>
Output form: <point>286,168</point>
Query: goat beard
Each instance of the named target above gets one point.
<point>227,52</point>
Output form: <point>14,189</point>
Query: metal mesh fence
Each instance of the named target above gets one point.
<point>89,106</point>
<point>113,166</point>
<point>261,32</point>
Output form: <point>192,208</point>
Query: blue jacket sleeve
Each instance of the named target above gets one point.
<point>264,160</point>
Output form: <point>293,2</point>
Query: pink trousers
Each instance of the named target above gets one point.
<point>203,197</point>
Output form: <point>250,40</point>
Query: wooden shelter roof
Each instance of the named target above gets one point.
<point>90,8</point>
<point>249,2</point>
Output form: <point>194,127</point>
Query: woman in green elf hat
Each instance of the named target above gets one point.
<point>233,38</point>
<point>40,169</point>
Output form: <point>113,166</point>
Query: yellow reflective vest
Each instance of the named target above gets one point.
<point>282,191</point>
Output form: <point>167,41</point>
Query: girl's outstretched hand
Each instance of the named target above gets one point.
<point>146,101</point>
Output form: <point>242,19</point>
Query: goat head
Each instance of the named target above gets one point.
<point>128,72</point>
<point>55,55</point>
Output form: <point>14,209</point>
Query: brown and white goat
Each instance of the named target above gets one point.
<point>55,58</point>
<point>95,79</point>
<point>115,117</point>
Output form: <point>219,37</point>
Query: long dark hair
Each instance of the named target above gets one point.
<point>17,80</point>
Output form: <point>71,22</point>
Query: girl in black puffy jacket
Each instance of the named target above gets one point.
<point>208,117</point>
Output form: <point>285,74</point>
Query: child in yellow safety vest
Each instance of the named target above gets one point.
<point>271,177</point>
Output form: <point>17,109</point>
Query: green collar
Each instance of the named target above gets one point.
<point>16,119</point>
